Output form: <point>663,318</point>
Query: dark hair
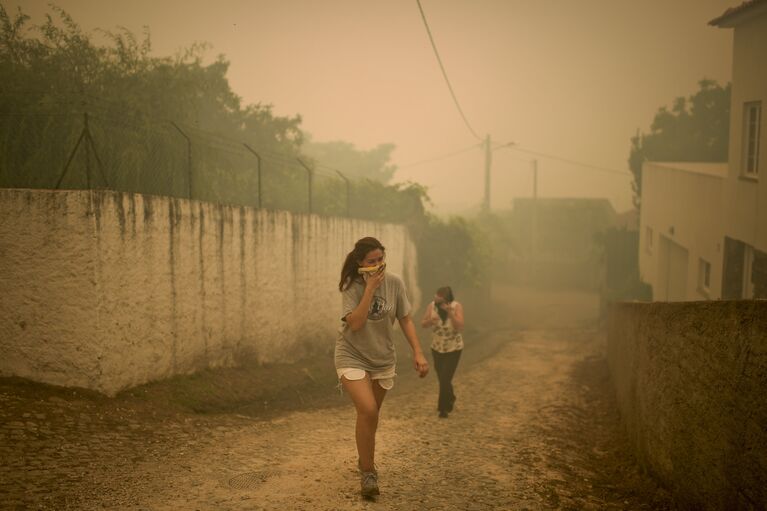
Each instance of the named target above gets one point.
<point>361,249</point>
<point>447,293</point>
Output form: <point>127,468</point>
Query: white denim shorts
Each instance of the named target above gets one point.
<point>384,378</point>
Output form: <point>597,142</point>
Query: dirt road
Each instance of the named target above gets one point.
<point>534,427</point>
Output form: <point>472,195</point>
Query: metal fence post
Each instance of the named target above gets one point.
<point>310,174</point>
<point>258,158</point>
<point>87,153</point>
<point>71,157</point>
<point>188,155</point>
<point>92,144</point>
<point>348,191</point>
<point>85,134</point>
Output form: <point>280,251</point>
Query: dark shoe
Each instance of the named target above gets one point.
<point>369,484</point>
<point>443,415</point>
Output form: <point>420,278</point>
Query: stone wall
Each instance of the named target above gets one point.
<point>691,380</point>
<point>108,290</point>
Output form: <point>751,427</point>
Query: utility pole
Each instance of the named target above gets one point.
<point>488,165</point>
<point>534,222</point>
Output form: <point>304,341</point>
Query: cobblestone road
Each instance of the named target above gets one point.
<point>532,429</point>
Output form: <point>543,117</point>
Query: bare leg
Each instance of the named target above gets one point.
<point>379,393</point>
<point>367,402</point>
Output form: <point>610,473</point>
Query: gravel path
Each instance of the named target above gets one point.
<point>510,444</point>
<point>534,427</point>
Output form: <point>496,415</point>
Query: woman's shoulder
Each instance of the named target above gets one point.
<point>395,279</point>
<point>354,286</point>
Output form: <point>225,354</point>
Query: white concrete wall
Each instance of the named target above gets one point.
<point>109,290</point>
<point>683,202</point>
<point>746,199</point>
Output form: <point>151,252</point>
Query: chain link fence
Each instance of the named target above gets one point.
<point>98,150</point>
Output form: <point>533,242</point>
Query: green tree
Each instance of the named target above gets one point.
<point>371,164</point>
<point>55,72</point>
<point>456,252</point>
<point>695,129</point>
<point>57,64</point>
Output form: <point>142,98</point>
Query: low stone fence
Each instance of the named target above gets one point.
<point>691,381</point>
<point>108,290</point>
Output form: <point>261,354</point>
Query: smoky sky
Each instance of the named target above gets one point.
<point>574,79</point>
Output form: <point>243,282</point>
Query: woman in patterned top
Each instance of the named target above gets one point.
<point>445,316</point>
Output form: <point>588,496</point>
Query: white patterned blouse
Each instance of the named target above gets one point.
<point>445,338</point>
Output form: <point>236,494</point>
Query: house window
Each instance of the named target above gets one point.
<point>704,275</point>
<point>648,239</point>
<point>752,116</point>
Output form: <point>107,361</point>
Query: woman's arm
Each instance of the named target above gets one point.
<point>427,319</point>
<point>456,316</point>
<point>357,318</point>
<point>408,328</point>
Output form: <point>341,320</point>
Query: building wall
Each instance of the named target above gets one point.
<point>746,199</point>
<point>681,202</point>
<point>554,241</point>
<point>108,290</point>
<point>689,380</point>
<point>673,271</point>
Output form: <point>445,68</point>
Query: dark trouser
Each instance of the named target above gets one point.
<point>445,365</point>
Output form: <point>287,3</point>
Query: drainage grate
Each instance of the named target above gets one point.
<point>249,480</point>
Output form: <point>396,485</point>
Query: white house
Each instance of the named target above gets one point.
<point>745,189</point>
<point>680,236</point>
<point>703,234</point>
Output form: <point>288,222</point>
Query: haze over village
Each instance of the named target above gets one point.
<point>414,254</point>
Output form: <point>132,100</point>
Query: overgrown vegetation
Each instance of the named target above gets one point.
<point>166,126</point>
<point>371,164</point>
<point>173,126</point>
<point>695,129</point>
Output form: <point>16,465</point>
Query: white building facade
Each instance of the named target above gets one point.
<point>703,227</point>
<point>680,236</point>
<point>745,189</point>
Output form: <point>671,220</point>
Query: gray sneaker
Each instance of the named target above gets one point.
<point>369,484</point>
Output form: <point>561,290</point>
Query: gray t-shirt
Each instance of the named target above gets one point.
<point>371,348</point>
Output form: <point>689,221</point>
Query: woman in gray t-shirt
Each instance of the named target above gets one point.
<point>364,355</point>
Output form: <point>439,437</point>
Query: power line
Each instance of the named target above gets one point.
<point>572,162</point>
<point>444,73</point>
<point>441,157</point>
